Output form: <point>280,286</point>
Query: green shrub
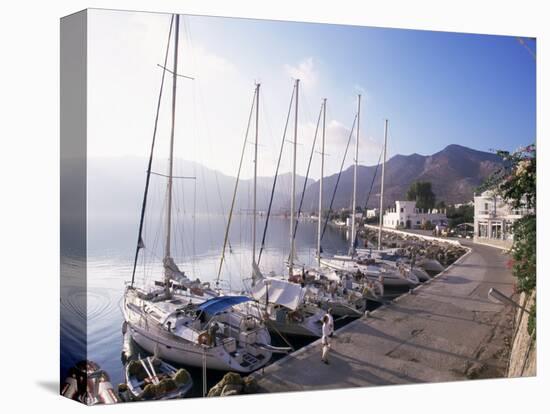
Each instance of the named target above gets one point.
<point>516,183</point>
<point>524,251</point>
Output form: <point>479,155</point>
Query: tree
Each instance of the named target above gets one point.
<point>421,192</point>
<point>459,215</point>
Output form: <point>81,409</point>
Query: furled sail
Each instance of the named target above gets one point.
<point>172,271</point>
<point>256,271</point>
<point>278,291</point>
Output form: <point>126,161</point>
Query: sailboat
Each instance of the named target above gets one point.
<point>282,303</point>
<point>382,272</point>
<point>180,319</point>
<point>390,257</point>
<point>327,288</point>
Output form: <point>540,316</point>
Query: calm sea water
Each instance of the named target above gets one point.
<point>111,246</point>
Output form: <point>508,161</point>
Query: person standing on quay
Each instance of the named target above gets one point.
<point>325,341</point>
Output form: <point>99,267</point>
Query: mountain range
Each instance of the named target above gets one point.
<point>454,172</point>
<point>115,185</point>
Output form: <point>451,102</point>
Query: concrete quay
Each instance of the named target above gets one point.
<point>445,330</point>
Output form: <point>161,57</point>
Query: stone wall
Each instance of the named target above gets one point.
<point>523,355</point>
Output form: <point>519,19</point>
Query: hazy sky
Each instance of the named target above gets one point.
<point>435,88</point>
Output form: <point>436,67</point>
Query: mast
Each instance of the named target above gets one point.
<point>354,202</point>
<point>321,185</point>
<point>255,182</point>
<point>293,194</point>
<point>235,189</point>
<point>167,253</point>
<point>381,213</point>
<point>140,245</point>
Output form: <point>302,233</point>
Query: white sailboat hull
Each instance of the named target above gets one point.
<point>390,279</point>
<point>182,353</point>
<point>154,339</point>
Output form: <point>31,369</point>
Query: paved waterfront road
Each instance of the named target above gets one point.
<point>447,330</point>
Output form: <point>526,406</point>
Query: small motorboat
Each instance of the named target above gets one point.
<point>153,379</point>
<point>430,265</point>
<point>88,383</point>
<point>420,273</point>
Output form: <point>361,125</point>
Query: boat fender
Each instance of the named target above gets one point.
<point>204,338</point>
<point>197,291</point>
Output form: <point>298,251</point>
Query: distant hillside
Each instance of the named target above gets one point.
<point>115,185</point>
<point>454,173</point>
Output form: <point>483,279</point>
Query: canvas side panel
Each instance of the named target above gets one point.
<point>73,330</point>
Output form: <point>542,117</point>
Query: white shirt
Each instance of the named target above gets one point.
<point>326,333</point>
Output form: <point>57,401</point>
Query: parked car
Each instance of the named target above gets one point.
<point>464,230</point>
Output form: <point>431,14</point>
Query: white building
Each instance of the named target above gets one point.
<point>372,212</point>
<point>406,215</point>
<point>493,220</point>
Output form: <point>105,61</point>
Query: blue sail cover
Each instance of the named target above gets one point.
<point>221,303</point>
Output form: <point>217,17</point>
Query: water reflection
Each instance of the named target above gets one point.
<point>109,266</point>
